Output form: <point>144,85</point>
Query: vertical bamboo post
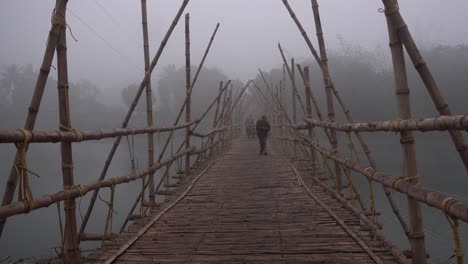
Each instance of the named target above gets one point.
<point>394,16</point>
<point>329,95</point>
<point>347,113</point>
<point>188,88</point>
<point>309,115</point>
<point>216,114</point>
<point>407,143</point>
<point>57,21</point>
<point>70,243</point>
<point>149,103</point>
<point>148,73</point>
<point>294,114</point>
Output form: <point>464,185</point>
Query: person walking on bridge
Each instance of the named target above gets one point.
<point>263,128</point>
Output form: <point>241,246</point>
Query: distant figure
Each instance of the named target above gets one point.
<point>263,128</point>
<point>250,127</point>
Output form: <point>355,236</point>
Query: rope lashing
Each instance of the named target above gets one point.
<point>57,18</point>
<point>67,189</point>
<point>79,136</point>
<point>454,225</point>
<point>24,188</point>
<point>110,212</point>
<point>398,180</point>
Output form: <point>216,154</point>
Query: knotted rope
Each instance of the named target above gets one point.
<point>24,188</point>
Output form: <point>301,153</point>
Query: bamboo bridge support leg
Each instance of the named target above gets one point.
<point>309,115</point>
<point>60,8</point>
<point>294,93</point>
<point>211,138</point>
<point>148,73</point>
<point>407,144</point>
<point>394,17</point>
<point>347,112</point>
<point>149,103</point>
<point>188,88</point>
<point>70,240</point>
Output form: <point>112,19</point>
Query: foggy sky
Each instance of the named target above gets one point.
<point>247,39</point>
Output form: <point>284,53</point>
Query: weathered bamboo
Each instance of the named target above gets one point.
<point>81,190</point>
<point>294,94</point>
<point>403,185</point>
<point>211,139</point>
<point>57,21</point>
<point>70,242</point>
<point>314,101</point>
<point>188,86</point>
<point>13,136</point>
<point>149,100</point>
<point>396,20</point>
<point>439,123</point>
<point>309,115</point>
<point>292,77</point>
<point>407,144</point>
<point>139,196</point>
<point>143,230</point>
<point>209,133</point>
<point>131,109</point>
<point>241,93</point>
<point>396,252</point>
<point>200,67</point>
<point>327,80</point>
<point>341,102</point>
<point>195,78</point>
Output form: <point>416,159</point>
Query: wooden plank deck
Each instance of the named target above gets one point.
<point>248,209</point>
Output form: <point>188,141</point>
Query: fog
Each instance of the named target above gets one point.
<point>106,66</point>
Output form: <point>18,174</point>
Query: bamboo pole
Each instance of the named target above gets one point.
<point>54,136</point>
<point>131,109</point>
<point>149,100</point>
<point>435,199</point>
<point>161,155</point>
<point>81,190</point>
<point>292,77</point>
<point>211,139</point>
<point>57,21</point>
<point>70,246</point>
<point>294,94</point>
<point>439,123</point>
<point>396,20</point>
<point>407,144</point>
<point>188,86</point>
<point>345,109</point>
<point>309,115</point>
<point>328,85</point>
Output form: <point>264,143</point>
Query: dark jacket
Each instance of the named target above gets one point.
<point>263,127</point>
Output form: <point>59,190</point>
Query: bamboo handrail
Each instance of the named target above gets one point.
<point>400,184</point>
<point>209,133</point>
<point>80,190</point>
<point>33,109</point>
<point>131,109</point>
<point>440,123</point>
<point>398,23</point>
<point>54,136</point>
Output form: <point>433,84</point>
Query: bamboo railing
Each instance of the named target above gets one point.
<point>229,112</point>
<point>407,184</point>
<point>224,121</point>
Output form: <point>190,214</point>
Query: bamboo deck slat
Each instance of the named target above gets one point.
<point>248,208</point>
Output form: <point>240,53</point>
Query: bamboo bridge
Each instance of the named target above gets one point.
<point>218,201</point>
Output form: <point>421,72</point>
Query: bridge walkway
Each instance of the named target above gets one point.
<point>246,208</point>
